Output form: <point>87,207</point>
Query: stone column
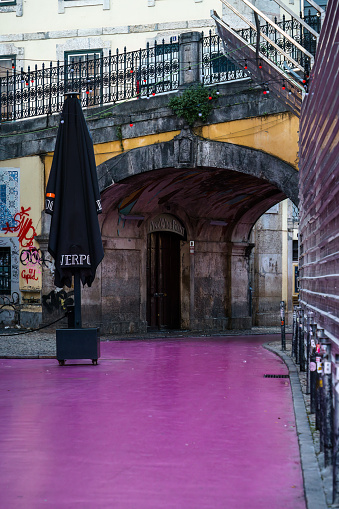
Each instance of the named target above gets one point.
<point>240,312</point>
<point>186,285</point>
<point>189,58</point>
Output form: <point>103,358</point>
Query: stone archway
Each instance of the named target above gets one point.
<point>189,151</point>
<point>218,190</point>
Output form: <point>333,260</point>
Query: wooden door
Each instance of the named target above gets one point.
<point>163,280</point>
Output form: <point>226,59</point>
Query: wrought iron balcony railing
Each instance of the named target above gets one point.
<point>216,68</point>
<point>136,74</point>
<point>108,79</point>
<point>294,29</point>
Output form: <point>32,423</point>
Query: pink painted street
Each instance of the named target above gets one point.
<point>185,423</point>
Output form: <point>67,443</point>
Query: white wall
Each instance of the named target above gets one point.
<point>41,30</point>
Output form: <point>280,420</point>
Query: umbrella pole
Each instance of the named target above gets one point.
<point>77,300</point>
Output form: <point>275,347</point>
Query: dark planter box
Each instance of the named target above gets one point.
<point>77,344</point>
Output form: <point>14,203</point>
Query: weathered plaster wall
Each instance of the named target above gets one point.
<point>271,265</point>
<point>241,110</point>
<point>274,134</point>
<point>120,286</point>
<point>204,299</point>
<point>211,277</point>
<point>19,232</point>
<point>268,267</point>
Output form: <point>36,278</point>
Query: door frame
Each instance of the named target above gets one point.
<point>165,223</point>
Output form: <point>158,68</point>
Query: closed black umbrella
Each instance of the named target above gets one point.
<point>73,200</point>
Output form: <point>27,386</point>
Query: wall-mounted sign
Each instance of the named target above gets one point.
<point>166,222</point>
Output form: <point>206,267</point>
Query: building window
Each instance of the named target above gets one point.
<point>80,57</point>
<point>12,6</point>
<point>62,4</point>
<point>6,64</point>
<point>222,64</point>
<point>295,213</point>
<point>295,251</point>
<point>84,72</point>
<point>5,270</point>
<point>6,86</point>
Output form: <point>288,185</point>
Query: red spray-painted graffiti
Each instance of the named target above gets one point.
<point>29,276</point>
<point>25,228</point>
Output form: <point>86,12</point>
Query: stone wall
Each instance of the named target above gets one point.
<point>239,100</point>
<point>267,268</point>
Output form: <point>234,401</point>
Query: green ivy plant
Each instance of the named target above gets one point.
<point>195,103</point>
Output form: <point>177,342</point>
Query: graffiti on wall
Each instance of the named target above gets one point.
<point>30,275</point>
<point>33,261</point>
<point>9,206</point>
<point>9,307</point>
<point>9,300</point>
<point>55,301</point>
<point>34,257</point>
<point>23,227</point>
<point>20,223</point>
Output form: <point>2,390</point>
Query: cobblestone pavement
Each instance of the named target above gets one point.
<point>17,343</point>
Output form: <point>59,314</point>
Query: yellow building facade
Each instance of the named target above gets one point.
<point>37,33</point>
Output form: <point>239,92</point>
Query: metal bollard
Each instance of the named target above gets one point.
<point>327,410</point>
<point>318,386</point>
<point>335,492</point>
<point>313,368</point>
<point>282,321</point>
<point>310,318</point>
<point>297,331</point>
<point>294,330</point>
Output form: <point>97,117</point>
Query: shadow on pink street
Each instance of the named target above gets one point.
<point>178,423</point>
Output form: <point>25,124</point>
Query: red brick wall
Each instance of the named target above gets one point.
<point>319,176</point>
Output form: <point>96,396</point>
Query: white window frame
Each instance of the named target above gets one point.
<point>11,59</point>
<point>82,54</point>
<point>12,7</point>
<point>62,4</point>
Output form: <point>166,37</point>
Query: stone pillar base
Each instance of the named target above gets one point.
<point>241,322</point>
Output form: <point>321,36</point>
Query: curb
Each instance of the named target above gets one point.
<point>315,497</point>
<point>28,356</point>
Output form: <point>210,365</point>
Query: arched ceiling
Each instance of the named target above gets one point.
<point>204,193</point>
<point>209,180</point>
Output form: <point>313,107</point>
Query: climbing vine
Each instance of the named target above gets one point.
<point>195,103</point>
